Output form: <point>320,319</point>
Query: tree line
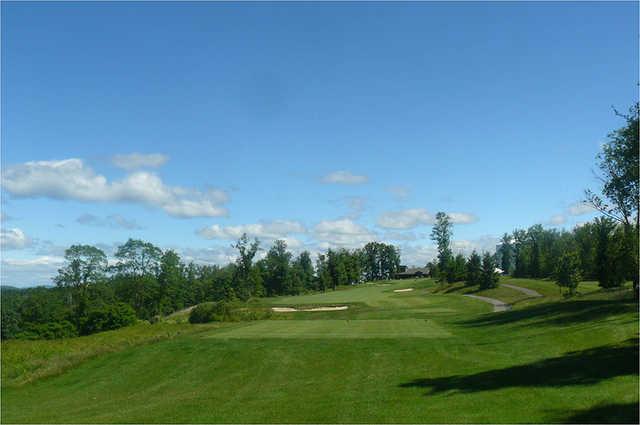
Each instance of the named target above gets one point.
<point>446,268</point>
<point>604,250</point>
<point>145,283</point>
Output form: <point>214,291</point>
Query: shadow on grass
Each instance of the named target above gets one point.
<point>558,313</point>
<point>575,368</point>
<point>606,414</point>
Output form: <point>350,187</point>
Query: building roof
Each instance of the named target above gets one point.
<point>414,270</point>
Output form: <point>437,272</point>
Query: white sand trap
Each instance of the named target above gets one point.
<point>291,309</point>
<point>403,290</point>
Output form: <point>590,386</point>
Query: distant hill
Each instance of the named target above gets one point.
<point>9,288</point>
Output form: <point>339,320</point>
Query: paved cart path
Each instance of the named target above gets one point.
<point>497,304</point>
<point>527,291</point>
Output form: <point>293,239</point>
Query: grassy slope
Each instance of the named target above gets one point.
<point>27,361</point>
<point>548,289</point>
<point>416,357</point>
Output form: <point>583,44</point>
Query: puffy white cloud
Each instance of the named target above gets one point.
<point>14,239</point>
<point>113,221</point>
<point>342,233</point>
<point>278,229</point>
<point>405,219</point>
<point>72,179</point>
<point>138,160</point>
<point>580,208</point>
<point>344,177</point>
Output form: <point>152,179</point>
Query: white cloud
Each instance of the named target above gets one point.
<point>72,179</point>
<point>557,219</point>
<point>580,208</point>
<point>399,193</point>
<point>354,205</point>
<point>405,219</point>
<point>113,221</point>
<point>417,255</point>
<point>401,236</point>
<point>483,244</point>
<point>14,239</point>
<point>29,272</point>
<point>344,177</point>
<point>138,160</point>
<point>48,248</point>
<point>342,233</point>
<point>278,229</point>
<point>293,243</point>
<point>216,255</point>
<point>462,218</point>
<point>413,217</point>
<point>37,261</point>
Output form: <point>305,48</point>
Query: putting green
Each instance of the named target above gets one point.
<point>405,328</point>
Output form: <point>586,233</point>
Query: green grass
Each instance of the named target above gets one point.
<point>547,288</point>
<point>26,361</point>
<point>403,328</point>
<point>414,357</point>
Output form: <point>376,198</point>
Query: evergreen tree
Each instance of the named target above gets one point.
<point>441,235</point>
<point>474,269</point>
<point>458,268</point>
<point>506,254</point>
<point>489,277</point>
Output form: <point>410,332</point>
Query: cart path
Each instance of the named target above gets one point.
<point>497,304</point>
<point>530,292</point>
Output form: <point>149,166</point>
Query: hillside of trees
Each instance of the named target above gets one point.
<point>146,283</point>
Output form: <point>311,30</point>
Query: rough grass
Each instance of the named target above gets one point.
<point>554,360</point>
<point>26,361</point>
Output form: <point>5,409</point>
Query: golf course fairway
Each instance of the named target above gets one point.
<point>429,355</point>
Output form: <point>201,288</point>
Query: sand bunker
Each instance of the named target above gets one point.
<point>291,309</point>
<point>403,290</point>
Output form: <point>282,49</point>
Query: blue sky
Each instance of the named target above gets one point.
<point>328,124</point>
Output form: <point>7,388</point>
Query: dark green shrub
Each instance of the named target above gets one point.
<point>9,324</point>
<point>51,330</point>
<point>107,317</point>
<point>203,313</point>
<point>227,312</point>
